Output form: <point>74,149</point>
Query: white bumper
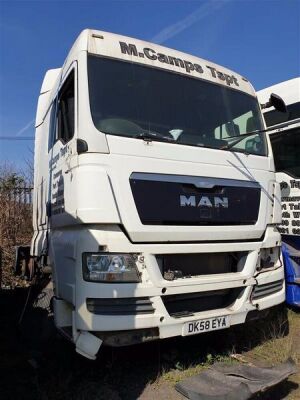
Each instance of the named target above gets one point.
<point>154,287</point>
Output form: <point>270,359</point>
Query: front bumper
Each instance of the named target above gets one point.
<point>153,288</point>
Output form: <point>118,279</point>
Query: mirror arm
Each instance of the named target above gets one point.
<point>266,105</point>
<point>275,101</point>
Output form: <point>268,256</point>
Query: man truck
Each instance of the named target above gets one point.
<point>155,199</point>
<point>285,140</point>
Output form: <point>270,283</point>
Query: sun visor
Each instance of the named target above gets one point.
<point>49,81</point>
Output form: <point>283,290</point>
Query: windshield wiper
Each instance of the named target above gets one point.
<point>241,137</point>
<point>149,136</point>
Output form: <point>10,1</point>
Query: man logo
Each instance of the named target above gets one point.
<point>203,201</point>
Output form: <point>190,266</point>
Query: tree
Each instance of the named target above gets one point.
<point>15,215</point>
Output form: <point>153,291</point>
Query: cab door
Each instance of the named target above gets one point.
<point>286,151</point>
<point>62,152</point>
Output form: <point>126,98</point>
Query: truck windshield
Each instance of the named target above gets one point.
<point>138,101</point>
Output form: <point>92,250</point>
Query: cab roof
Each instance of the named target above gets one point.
<point>289,91</point>
<point>125,48</point>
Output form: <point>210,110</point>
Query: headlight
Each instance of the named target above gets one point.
<point>110,267</point>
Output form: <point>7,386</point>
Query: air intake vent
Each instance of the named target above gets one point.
<point>188,265</point>
<point>181,305</point>
<point>266,289</point>
<point>121,306</point>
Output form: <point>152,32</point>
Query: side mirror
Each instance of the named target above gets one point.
<point>275,101</point>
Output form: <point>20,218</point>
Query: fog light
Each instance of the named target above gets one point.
<point>110,267</point>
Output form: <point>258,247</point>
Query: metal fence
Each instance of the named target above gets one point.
<point>15,213</point>
<point>15,201</point>
<point>15,222</point>
<point>18,195</point>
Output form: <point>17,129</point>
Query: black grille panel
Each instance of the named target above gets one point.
<point>266,289</point>
<point>120,306</point>
<point>180,305</point>
<point>188,200</point>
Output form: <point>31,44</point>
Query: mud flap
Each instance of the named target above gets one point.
<point>87,345</point>
<point>234,382</point>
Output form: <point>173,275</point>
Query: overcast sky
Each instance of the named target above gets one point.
<point>260,39</point>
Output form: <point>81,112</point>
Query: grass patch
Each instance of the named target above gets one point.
<point>279,344</point>
<point>265,343</point>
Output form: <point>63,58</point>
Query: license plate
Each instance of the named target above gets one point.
<point>205,325</point>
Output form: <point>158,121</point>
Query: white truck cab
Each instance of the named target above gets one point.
<point>285,139</point>
<point>155,212</point>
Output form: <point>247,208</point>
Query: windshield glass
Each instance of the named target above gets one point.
<point>133,100</point>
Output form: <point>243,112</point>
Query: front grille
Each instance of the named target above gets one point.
<point>174,266</point>
<point>165,199</point>
<point>266,289</point>
<point>181,305</point>
<point>120,306</point>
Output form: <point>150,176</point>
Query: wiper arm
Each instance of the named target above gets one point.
<point>153,136</point>
<point>241,137</point>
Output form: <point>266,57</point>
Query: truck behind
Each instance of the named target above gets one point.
<point>285,139</point>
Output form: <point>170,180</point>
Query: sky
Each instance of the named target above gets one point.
<point>259,39</point>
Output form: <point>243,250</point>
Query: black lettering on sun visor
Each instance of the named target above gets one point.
<point>188,66</point>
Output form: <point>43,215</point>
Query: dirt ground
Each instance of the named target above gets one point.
<point>36,367</point>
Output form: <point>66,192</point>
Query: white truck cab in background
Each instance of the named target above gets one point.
<point>285,139</point>
<point>156,215</point>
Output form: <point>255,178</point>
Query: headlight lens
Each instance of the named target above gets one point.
<point>111,267</point>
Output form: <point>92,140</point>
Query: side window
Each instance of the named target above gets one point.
<point>65,110</point>
<point>286,152</point>
<point>52,126</point>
